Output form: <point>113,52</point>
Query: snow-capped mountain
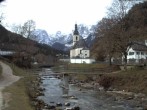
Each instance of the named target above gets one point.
<point>42,36</point>
<point>62,41</point>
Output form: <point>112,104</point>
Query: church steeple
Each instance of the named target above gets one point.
<point>76,36</point>
<point>76,30</point>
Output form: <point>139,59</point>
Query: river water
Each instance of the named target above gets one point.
<point>86,99</point>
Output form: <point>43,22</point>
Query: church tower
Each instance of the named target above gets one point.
<point>76,36</point>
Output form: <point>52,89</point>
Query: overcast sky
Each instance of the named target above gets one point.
<point>55,15</point>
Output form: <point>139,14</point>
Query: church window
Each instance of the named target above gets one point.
<point>76,38</point>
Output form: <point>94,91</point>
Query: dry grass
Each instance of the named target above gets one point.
<point>0,70</point>
<point>19,97</point>
<point>89,66</point>
<point>18,90</point>
<point>131,80</point>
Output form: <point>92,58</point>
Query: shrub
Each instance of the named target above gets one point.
<point>106,81</point>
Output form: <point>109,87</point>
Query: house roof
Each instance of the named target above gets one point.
<point>80,44</point>
<point>139,46</point>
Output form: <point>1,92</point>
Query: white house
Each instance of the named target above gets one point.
<point>80,52</point>
<point>137,53</point>
<point>5,53</point>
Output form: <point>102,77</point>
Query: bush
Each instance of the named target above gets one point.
<point>106,81</point>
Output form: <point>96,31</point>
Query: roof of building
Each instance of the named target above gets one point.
<point>80,44</point>
<point>139,46</point>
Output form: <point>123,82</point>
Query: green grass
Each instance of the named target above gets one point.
<point>18,90</point>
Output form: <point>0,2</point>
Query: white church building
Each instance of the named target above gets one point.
<point>80,52</point>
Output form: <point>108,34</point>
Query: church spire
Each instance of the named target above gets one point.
<point>76,30</point>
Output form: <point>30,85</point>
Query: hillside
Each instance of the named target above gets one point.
<point>115,35</point>
<point>14,42</point>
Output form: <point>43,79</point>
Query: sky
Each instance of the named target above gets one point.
<point>55,15</point>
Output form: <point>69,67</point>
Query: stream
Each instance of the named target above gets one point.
<point>70,95</point>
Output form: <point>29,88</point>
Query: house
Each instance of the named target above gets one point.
<point>6,53</point>
<point>80,52</point>
<point>137,53</point>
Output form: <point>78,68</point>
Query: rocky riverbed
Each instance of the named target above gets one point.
<point>55,92</point>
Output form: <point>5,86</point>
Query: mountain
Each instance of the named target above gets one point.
<point>61,41</point>
<point>41,36</point>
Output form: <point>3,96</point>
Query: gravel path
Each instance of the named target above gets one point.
<point>6,79</point>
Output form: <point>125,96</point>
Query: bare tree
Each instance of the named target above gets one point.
<point>16,28</point>
<point>105,29</point>
<point>121,36</point>
<point>118,30</point>
<point>1,17</point>
<point>1,12</point>
<point>27,28</point>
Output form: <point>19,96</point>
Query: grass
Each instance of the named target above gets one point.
<point>132,80</point>
<point>0,70</point>
<point>82,68</point>
<point>18,90</point>
<point>89,66</point>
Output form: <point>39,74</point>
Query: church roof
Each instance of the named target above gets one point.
<point>80,44</point>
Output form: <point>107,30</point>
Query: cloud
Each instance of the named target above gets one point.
<point>54,15</point>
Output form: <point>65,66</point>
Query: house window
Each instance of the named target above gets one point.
<point>131,53</point>
<point>85,54</point>
<point>142,53</point>
<point>137,53</point>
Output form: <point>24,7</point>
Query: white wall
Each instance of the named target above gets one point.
<point>87,61</point>
<point>75,39</point>
<point>137,55</point>
<point>85,53</point>
<point>75,52</point>
<point>6,52</point>
<point>72,53</point>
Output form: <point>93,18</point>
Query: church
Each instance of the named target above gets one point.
<point>79,52</point>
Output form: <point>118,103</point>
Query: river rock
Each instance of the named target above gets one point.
<point>76,108</point>
<point>67,104</point>
<point>139,95</point>
<point>69,108</point>
<point>73,97</point>
<point>51,107</point>
<point>59,104</point>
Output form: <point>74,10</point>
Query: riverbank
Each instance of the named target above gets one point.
<point>14,96</point>
<point>85,92</point>
<point>123,85</point>
<point>7,78</point>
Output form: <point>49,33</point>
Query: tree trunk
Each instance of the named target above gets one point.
<point>125,60</point>
<point>110,62</point>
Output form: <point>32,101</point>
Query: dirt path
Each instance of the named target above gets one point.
<point>6,79</point>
